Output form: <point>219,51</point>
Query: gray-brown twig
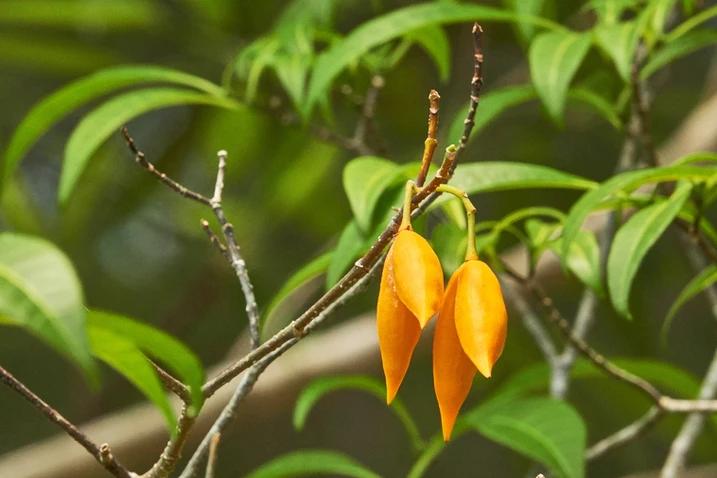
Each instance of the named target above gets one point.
<point>102,453</point>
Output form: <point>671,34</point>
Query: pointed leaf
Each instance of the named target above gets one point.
<point>526,7</point>
<point>365,180</point>
<point>691,23</point>
<point>53,107</point>
<point>106,119</point>
<point>619,41</point>
<point>123,356</point>
<point>610,11</point>
<point>317,389</point>
<point>300,278</point>
<point>624,182</point>
<point>492,104</point>
<point>554,59</point>
<point>661,10</point>
<point>490,176</point>
<point>40,291</point>
<point>678,48</point>
<point>312,462</point>
<point>699,283</point>
<point>394,25</point>
<point>632,242</point>
<point>434,41</point>
<point>158,344</point>
<point>591,100</point>
<point>547,430</point>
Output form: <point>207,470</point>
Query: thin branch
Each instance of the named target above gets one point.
<point>626,435</point>
<point>212,460</point>
<point>215,240</point>
<point>172,384</point>
<point>367,115</point>
<point>683,443</point>
<point>170,183</point>
<point>429,146</point>
<point>476,85</point>
<point>173,450</point>
<point>237,261</point>
<point>102,453</point>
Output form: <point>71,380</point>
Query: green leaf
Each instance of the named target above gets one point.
<point>298,280</point>
<point>449,242</point>
<point>434,41</point>
<point>52,108</point>
<point>623,182</point>
<point>536,377</point>
<point>312,462</point>
<point>40,291</point>
<point>351,244</point>
<point>632,242</point>
<point>610,11</point>
<point>160,345</point>
<point>554,59</point>
<point>394,25</point>
<point>292,72</point>
<point>691,23</point>
<point>598,104</point>
<point>678,48</point>
<point>492,104</point>
<point>584,260</point>
<point>122,355</point>
<point>547,430</point>
<point>490,176</point>
<point>661,9</point>
<point>526,7</point>
<point>106,119</point>
<point>699,283</point>
<point>317,389</point>
<point>365,180</point>
<point>619,42</point>
<point>74,15</point>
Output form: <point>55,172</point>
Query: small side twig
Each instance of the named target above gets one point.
<point>429,146</point>
<point>172,384</point>
<point>625,435</point>
<point>212,460</point>
<point>367,115</point>
<point>102,453</point>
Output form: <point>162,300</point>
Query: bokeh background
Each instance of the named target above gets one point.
<point>139,250</point>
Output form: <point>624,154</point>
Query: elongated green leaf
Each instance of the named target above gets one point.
<point>434,41</point>
<point>699,283</point>
<point>499,176</point>
<point>40,291</point>
<point>394,25</point>
<point>124,356</point>
<point>554,59</point>
<point>526,7</point>
<point>632,242</point>
<point>691,23</point>
<point>106,119</point>
<point>547,430</point>
<point>492,104</point>
<point>598,104</point>
<point>350,246</point>
<point>661,9</point>
<point>160,345</point>
<point>627,181</point>
<point>678,48</point>
<point>365,180</point>
<point>610,11</point>
<point>52,108</point>
<point>317,389</point>
<point>81,15</point>
<point>310,271</point>
<point>619,41</point>
<point>312,462</point>
<point>584,260</point>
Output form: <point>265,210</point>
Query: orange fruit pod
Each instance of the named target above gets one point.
<point>411,292</point>
<point>470,335</point>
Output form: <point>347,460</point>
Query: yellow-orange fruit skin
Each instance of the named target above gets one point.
<point>418,275</point>
<point>453,371</point>
<point>480,315</point>
<point>398,330</point>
